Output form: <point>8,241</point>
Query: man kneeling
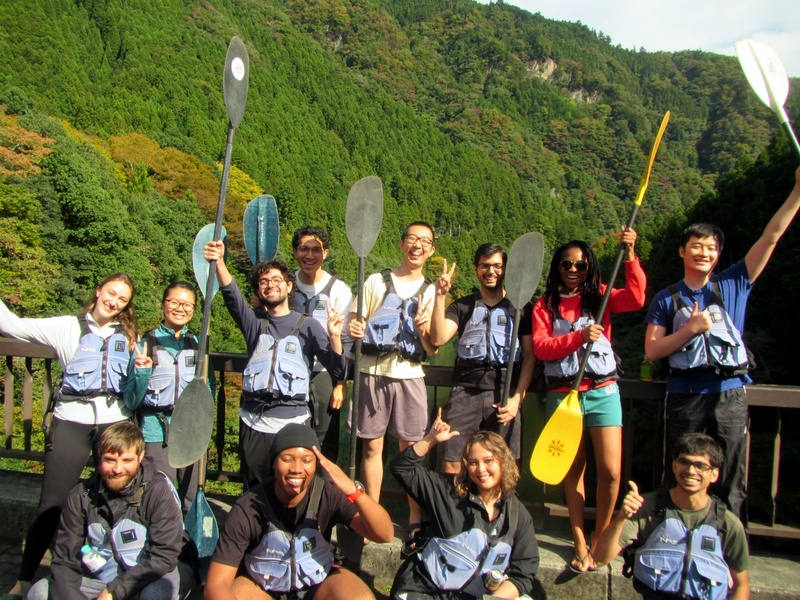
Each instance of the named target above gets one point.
<point>280,531</point>
<point>121,530</point>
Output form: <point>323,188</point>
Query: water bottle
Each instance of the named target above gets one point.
<point>646,369</point>
<point>493,579</point>
<point>92,559</point>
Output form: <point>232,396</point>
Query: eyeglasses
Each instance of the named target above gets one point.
<point>581,265</point>
<point>423,241</point>
<point>174,304</point>
<point>699,465</point>
<point>495,266</point>
<point>266,282</point>
<point>311,249</point>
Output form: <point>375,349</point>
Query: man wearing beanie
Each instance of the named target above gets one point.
<point>278,534</point>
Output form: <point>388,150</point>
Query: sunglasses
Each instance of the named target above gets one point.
<point>581,265</point>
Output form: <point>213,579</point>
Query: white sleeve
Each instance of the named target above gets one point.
<point>62,334</point>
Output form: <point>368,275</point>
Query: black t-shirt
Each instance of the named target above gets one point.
<point>480,377</point>
<point>247,524</point>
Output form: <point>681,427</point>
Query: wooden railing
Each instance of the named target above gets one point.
<point>35,361</point>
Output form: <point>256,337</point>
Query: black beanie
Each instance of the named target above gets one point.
<point>292,435</point>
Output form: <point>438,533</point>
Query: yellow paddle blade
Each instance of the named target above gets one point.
<point>558,444</point>
<point>650,160</point>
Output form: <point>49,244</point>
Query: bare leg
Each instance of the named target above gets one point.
<point>341,584</point>
<point>372,467</point>
<point>607,442</point>
<point>244,588</point>
<point>575,491</point>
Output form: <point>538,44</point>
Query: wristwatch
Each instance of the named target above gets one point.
<point>357,494</point>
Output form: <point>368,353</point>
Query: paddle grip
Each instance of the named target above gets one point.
<point>356,372</point>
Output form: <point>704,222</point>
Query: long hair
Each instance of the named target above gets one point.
<point>126,317</point>
<point>499,449</point>
<point>590,288</point>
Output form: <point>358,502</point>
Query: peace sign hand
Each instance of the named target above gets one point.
<point>335,319</point>
<point>444,282</point>
<point>423,315</point>
<point>143,361</point>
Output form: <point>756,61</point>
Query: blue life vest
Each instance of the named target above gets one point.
<point>601,366</point>
<point>98,365</point>
<point>391,327</point>
<point>315,305</point>
<point>689,564</point>
<point>171,374</point>
<point>460,562</point>
<point>284,561</point>
<point>486,339</point>
<point>276,372</point>
<point>721,348</point>
<point>123,546</point>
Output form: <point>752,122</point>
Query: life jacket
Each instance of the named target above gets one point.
<point>461,561</point>
<point>486,339</point>
<point>98,365</point>
<point>124,544</point>
<point>601,366</point>
<point>171,374</point>
<point>315,305</point>
<point>674,560</point>
<point>276,372</point>
<point>283,560</point>
<point>391,327</point>
<point>720,349</point>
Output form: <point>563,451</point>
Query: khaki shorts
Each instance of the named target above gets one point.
<point>397,405</point>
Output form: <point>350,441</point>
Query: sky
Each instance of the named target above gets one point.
<point>711,25</point>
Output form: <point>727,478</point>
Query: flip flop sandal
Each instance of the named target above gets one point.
<point>410,544</point>
<point>580,561</point>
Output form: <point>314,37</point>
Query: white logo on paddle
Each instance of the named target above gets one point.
<point>237,68</point>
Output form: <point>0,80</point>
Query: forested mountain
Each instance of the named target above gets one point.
<point>487,121</point>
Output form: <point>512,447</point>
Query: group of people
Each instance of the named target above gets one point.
<point>118,536</point>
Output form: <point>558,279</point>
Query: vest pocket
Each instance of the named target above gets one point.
<point>158,392</point>
<point>83,372</point>
<point>659,571</point>
<point>255,375</point>
<point>472,345</point>
<point>707,579</point>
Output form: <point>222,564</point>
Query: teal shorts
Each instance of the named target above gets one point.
<point>600,407</point>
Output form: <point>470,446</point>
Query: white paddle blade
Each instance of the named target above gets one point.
<point>765,73</point>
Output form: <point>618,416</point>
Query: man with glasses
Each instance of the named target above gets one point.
<point>282,346</point>
<point>681,541</point>
<point>698,323</point>
<point>316,290</point>
<point>484,323</point>
<point>397,305</point>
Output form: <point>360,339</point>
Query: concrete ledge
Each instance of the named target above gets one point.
<point>772,577</point>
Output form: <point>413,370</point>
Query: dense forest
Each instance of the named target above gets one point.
<point>487,121</point>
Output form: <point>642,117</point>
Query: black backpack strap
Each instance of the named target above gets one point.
<point>152,345</point>
<point>326,291</point>
<point>677,302</point>
<point>716,293</point>
<point>387,279</point>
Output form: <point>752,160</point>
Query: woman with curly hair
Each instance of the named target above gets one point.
<point>93,348</point>
<point>564,322</point>
<point>480,539</point>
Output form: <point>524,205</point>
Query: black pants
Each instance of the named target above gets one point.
<point>325,419</point>
<point>723,416</point>
<point>70,445</point>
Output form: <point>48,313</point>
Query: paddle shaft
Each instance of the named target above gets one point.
<point>200,368</point>
<point>604,304</point>
<point>510,366</point>
<point>356,371</point>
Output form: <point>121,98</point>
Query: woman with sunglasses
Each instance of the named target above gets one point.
<point>564,322</point>
<point>163,365</point>
<point>93,348</point>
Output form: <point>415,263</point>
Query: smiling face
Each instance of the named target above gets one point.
<point>118,470</point>
<point>484,469</point>
<point>417,246</point>
<point>178,308</point>
<point>700,255</point>
<point>310,255</point>
<point>110,299</point>
<point>572,278</point>
<point>273,289</point>
<point>690,478</point>
<point>490,271</point>
<point>294,470</point>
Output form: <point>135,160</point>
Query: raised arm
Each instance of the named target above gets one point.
<point>216,251</point>
<point>442,329</point>
<point>759,254</point>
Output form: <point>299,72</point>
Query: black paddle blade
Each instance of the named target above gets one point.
<point>191,425</point>
<point>235,80</point>
<point>524,268</point>
<point>364,214</point>
<point>261,229</point>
